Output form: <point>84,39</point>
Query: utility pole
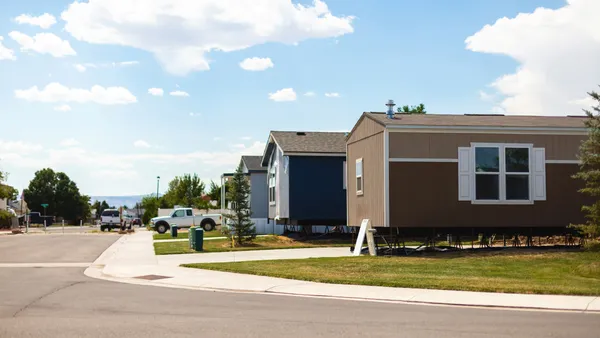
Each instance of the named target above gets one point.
<point>157,185</point>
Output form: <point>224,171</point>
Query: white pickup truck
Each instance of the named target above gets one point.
<point>185,218</point>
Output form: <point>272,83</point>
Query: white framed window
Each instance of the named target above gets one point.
<point>345,176</point>
<point>359,176</point>
<point>272,183</point>
<point>501,173</point>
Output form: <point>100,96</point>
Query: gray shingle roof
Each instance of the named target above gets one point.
<point>310,142</point>
<point>253,163</point>
<point>480,120</point>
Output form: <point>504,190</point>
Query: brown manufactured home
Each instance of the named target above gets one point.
<point>464,173</point>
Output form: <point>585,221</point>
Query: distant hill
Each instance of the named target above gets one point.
<point>118,201</point>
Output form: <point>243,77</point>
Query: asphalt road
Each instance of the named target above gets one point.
<point>54,248</point>
<point>62,302</point>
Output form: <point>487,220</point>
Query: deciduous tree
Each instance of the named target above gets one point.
<point>60,193</point>
<point>419,109</point>
<point>186,190</point>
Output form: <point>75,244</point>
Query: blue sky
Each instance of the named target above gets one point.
<point>360,52</point>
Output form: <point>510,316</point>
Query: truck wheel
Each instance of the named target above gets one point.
<point>208,225</point>
<point>161,228</point>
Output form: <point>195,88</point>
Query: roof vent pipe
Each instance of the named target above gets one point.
<point>390,113</point>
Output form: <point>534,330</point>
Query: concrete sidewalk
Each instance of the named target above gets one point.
<point>186,239</point>
<point>131,260</point>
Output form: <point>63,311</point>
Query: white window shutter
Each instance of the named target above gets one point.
<point>464,174</point>
<point>539,174</point>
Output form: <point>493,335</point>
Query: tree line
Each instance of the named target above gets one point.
<point>188,191</point>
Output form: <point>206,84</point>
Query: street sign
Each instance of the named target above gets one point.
<point>44,205</point>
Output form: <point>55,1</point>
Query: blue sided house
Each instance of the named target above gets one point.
<point>306,178</point>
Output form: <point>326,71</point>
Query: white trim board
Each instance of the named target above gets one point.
<point>441,160</point>
<point>314,154</point>
<point>563,161</point>
<point>455,160</point>
<point>488,130</point>
<point>386,178</point>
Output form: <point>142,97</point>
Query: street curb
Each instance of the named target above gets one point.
<point>96,270</point>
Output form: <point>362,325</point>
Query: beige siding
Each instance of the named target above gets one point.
<point>371,204</point>
<point>365,128</point>
<point>438,145</point>
<point>426,195</point>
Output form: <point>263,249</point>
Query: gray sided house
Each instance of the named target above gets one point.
<point>306,177</point>
<point>464,174</point>
<point>257,178</point>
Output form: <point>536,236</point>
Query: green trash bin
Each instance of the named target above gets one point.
<point>199,239</point>
<point>174,230</point>
<point>192,238</point>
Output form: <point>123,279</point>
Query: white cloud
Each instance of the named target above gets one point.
<point>256,64</point>
<point>498,110</point>
<point>558,51</point>
<point>195,114</point>
<point>335,95</point>
<point>6,53</point>
<point>18,147</point>
<point>286,94</point>
<point>55,92</point>
<point>112,174</point>
<point>586,102</point>
<point>43,43</point>
<point>156,91</point>
<point>22,159</point>
<point>181,33</point>
<point>70,142</point>
<point>309,94</point>
<point>81,68</point>
<point>246,138</point>
<point>486,96</point>
<point>128,63</point>
<point>178,93</point>
<point>141,144</point>
<point>63,107</point>
<point>44,21</point>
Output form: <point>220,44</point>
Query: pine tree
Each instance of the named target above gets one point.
<point>241,229</point>
<point>589,155</point>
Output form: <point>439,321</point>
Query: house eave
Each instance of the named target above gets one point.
<point>290,153</point>
<point>490,129</point>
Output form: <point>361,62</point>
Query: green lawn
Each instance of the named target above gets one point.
<point>184,234</point>
<point>260,243</point>
<point>511,271</point>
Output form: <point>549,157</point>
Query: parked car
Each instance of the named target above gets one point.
<point>37,218</point>
<point>136,221</point>
<point>185,218</point>
<point>110,219</point>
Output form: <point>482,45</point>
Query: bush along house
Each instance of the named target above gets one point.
<point>464,175</point>
<point>306,182</point>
